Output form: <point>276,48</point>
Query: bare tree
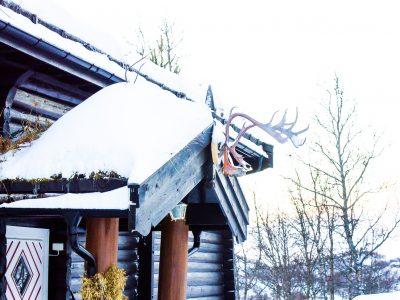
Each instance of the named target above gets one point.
<point>345,165</point>
<point>330,244</point>
<point>247,271</point>
<point>307,223</point>
<point>162,52</point>
<point>315,223</point>
<point>275,242</point>
<point>331,218</point>
<point>248,266</point>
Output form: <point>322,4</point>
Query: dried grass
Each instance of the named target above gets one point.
<point>30,132</point>
<point>105,286</point>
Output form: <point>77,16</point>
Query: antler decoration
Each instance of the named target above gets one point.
<point>282,131</point>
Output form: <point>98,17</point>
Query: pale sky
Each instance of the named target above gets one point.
<point>267,55</point>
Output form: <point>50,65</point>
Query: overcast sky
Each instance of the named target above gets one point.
<point>267,55</point>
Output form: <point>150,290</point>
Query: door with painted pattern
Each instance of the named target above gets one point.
<point>27,263</point>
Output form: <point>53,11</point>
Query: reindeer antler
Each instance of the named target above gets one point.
<point>281,131</point>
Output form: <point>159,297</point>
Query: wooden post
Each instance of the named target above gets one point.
<point>102,241</point>
<point>173,261</point>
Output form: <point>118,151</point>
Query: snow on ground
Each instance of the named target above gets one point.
<point>383,296</point>
<point>130,129</point>
<point>117,199</point>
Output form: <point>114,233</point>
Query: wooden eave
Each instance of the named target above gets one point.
<point>176,180</point>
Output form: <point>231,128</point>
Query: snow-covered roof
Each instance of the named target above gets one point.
<point>33,18</point>
<point>111,62</point>
<point>131,129</point>
<point>117,199</point>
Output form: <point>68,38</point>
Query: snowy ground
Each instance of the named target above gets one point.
<point>384,296</point>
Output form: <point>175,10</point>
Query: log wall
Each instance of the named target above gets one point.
<point>210,270</point>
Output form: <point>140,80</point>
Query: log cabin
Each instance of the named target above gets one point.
<point>101,184</point>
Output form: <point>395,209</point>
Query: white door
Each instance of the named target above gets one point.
<point>27,263</point>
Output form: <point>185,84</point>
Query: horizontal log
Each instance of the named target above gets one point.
<point>78,268</point>
<point>204,291</point>
<point>20,117</point>
<point>123,256</point>
<point>197,257</point>
<point>207,298</point>
<point>222,297</point>
<point>33,103</point>
<point>125,241</point>
<point>198,267</point>
<point>214,237</point>
<point>40,79</point>
<point>35,111</point>
<point>199,279</point>
<point>200,292</point>
<point>55,94</point>
<point>128,255</point>
<point>204,247</point>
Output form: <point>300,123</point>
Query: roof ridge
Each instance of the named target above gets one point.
<point>36,20</point>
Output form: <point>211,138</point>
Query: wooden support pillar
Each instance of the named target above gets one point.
<point>102,241</point>
<point>173,261</point>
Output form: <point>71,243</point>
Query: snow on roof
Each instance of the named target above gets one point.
<point>383,296</point>
<point>130,129</point>
<point>117,199</point>
<point>112,61</point>
<point>196,92</point>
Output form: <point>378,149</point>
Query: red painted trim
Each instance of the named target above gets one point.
<point>9,246</point>
<point>11,293</point>
<point>37,253</point>
<point>37,279</point>
<point>37,295</point>
<point>12,256</point>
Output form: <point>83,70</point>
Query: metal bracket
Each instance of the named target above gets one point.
<point>196,242</point>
